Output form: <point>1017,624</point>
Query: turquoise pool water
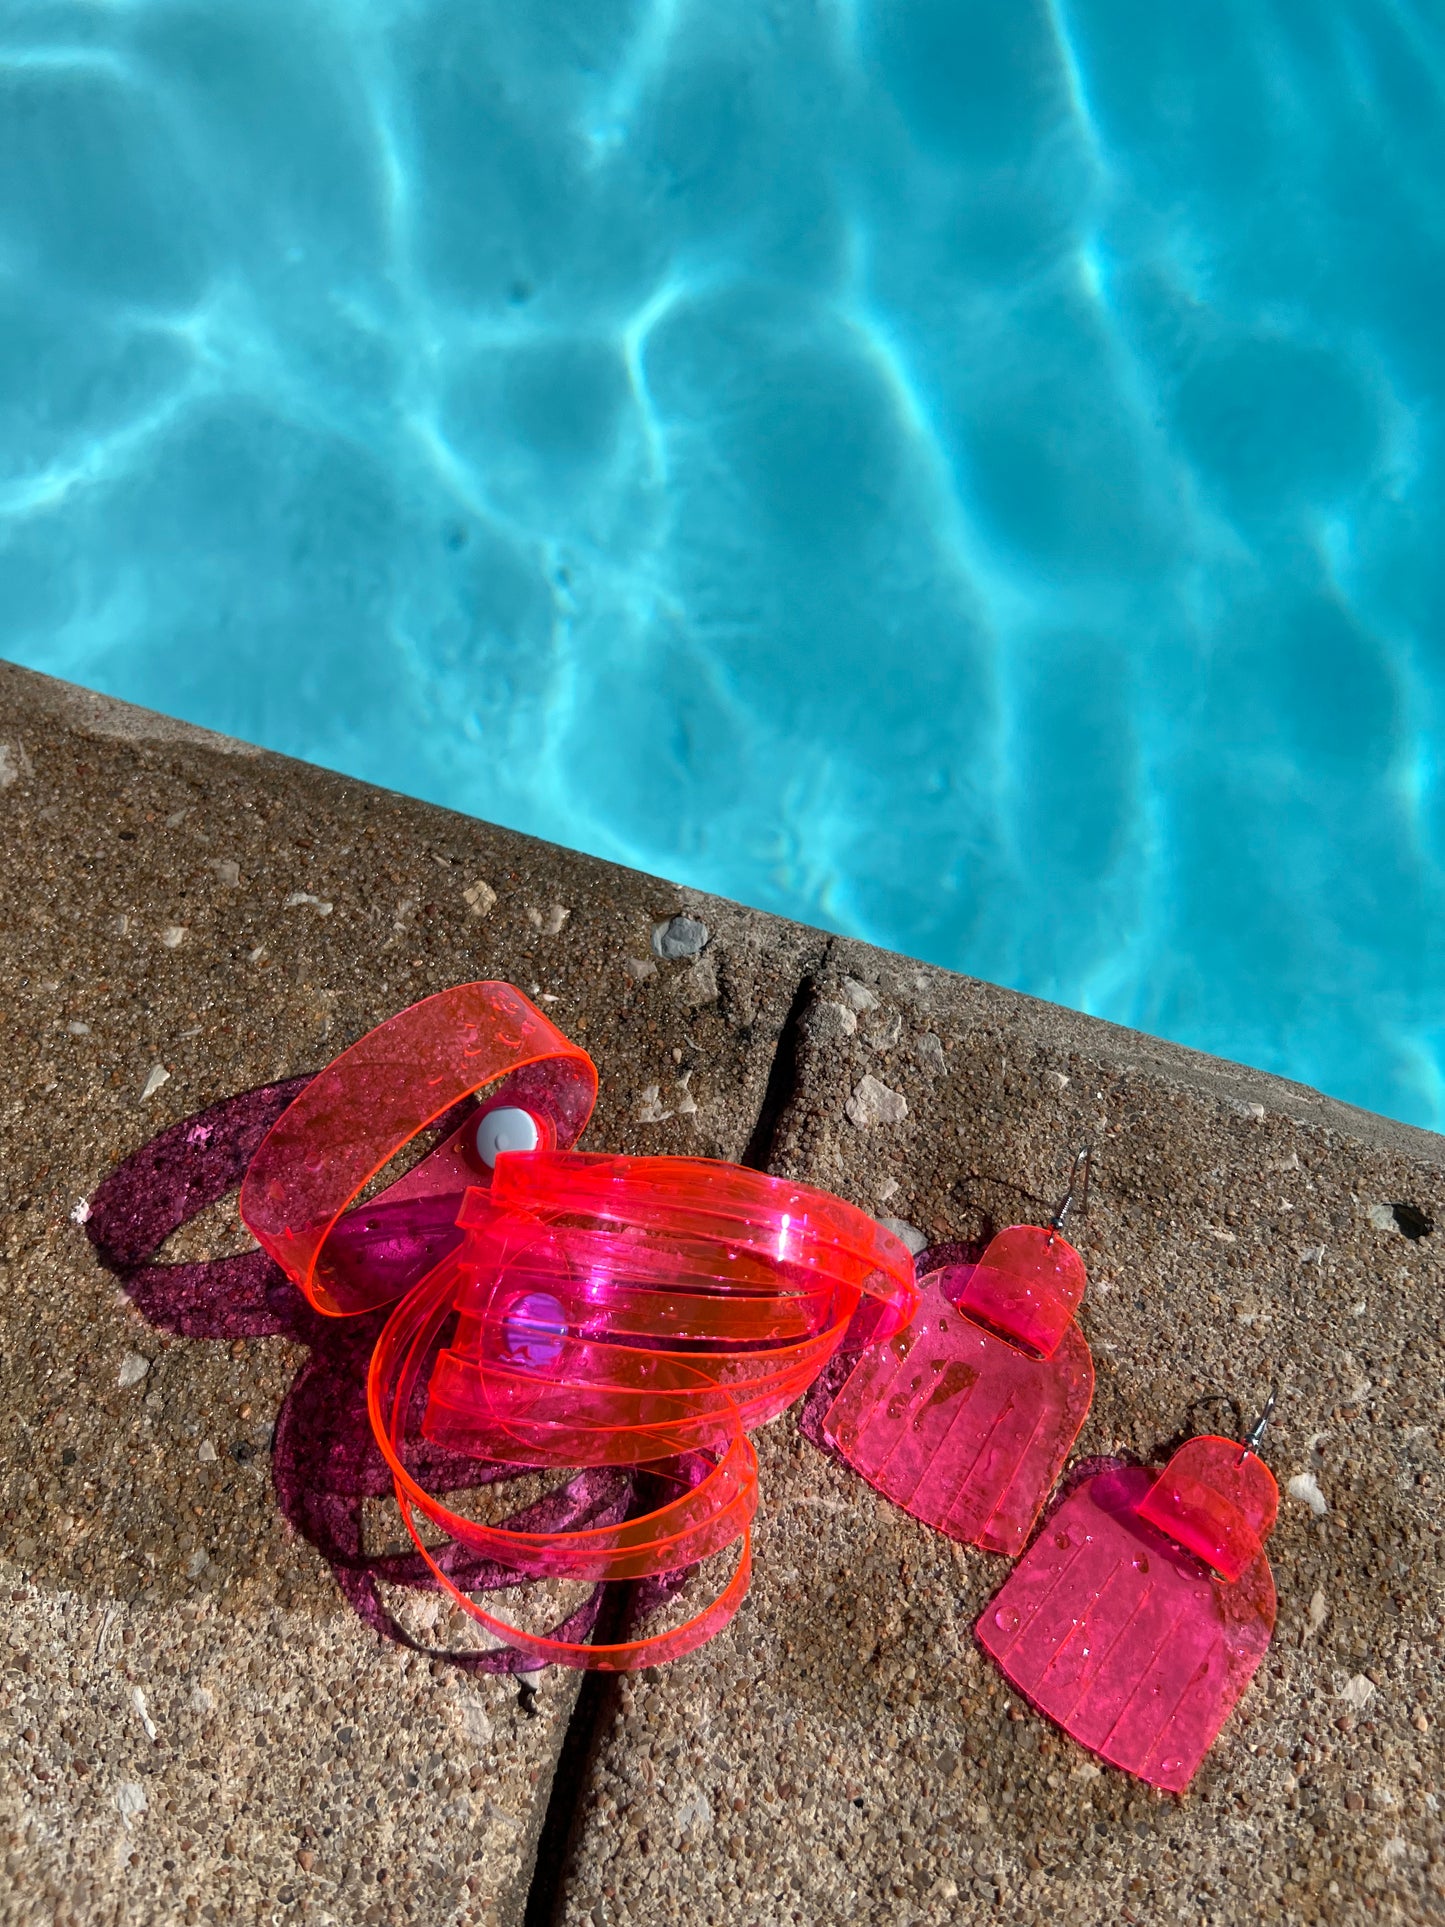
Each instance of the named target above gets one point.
<point>966,472</point>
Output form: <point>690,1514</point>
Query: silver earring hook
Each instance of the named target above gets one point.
<point>1255,1433</point>
<point>1082,1162</point>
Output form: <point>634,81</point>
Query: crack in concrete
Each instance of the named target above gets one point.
<point>545,1888</point>
<point>783,1071</point>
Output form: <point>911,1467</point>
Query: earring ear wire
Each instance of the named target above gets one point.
<point>1083,1162</point>
<point>1252,1437</point>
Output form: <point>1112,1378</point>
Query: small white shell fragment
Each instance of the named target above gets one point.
<point>78,1029</point>
<point>480,898</point>
<point>874,1103</point>
<point>14,763</point>
<point>207,1453</point>
<point>297,897</point>
<point>1319,1610</point>
<point>928,1049</point>
<point>693,1814</point>
<point>133,1368</point>
<point>686,1102</point>
<point>202,1701</point>
<point>158,1075</point>
<point>138,1701</point>
<point>1305,1487</point>
<point>649,1107</point>
<point>476,1723</point>
<point>1357,1692</point>
<point>423,1615</point>
<point>859,995</point>
<point>128,1798</point>
<point>173,935</point>
<point>80,1213</point>
<point>887,1031</point>
<point>915,1239</point>
<point>549,922</point>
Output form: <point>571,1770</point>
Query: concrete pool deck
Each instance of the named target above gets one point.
<point>198,1725</point>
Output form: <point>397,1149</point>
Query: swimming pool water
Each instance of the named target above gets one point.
<point>966,472</point>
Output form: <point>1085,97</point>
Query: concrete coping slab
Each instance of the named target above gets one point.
<point>201,1724</point>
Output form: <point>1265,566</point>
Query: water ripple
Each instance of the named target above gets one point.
<point>971,477</point>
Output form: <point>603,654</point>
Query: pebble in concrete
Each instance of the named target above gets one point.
<point>679,937</point>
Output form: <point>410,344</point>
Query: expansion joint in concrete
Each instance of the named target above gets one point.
<point>783,1071</point>
<point>546,1891</point>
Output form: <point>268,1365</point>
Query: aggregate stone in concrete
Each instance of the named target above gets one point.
<point>197,1727</point>
<point>844,1752</point>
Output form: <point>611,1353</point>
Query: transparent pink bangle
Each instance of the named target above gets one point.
<point>374,1099</point>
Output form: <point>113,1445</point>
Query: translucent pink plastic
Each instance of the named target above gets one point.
<point>565,1310</point>
<point>1028,1285</point>
<point>373,1100</point>
<point>957,1419</point>
<point>1217,1501</point>
<point>707,1519</point>
<point>753,1230</point>
<point>619,1311</point>
<point>1123,1637</point>
<point>646,1306</point>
